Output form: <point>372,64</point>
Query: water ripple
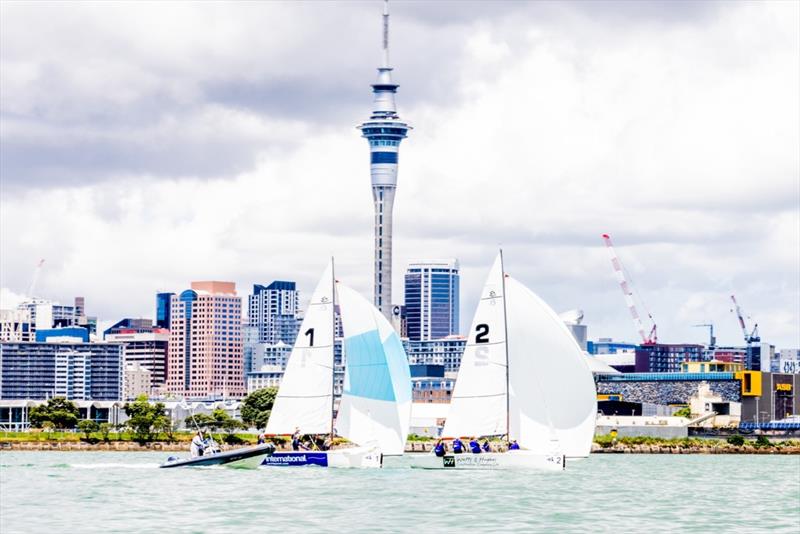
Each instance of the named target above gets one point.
<point>124,492</point>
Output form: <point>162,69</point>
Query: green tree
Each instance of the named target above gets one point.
<point>87,426</point>
<point>143,418</point>
<point>226,422</point>
<point>736,440</point>
<point>683,412</point>
<point>202,421</point>
<point>256,407</point>
<point>164,425</point>
<point>105,430</point>
<point>58,411</point>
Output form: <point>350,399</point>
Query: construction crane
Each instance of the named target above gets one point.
<point>35,279</point>
<point>753,336</point>
<point>627,290</point>
<point>712,340</point>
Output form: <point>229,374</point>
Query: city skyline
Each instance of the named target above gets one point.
<point>535,128</point>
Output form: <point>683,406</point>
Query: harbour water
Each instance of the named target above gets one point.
<point>126,492</point>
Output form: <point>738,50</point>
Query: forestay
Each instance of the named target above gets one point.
<point>304,399</point>
<point>376,402</point>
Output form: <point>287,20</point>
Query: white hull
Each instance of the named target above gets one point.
<point>356,457</point>
<point>490,460</point>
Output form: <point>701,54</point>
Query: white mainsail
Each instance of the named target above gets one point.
<point>376,402</point>
<point>552,400</point>
<point>478,405</point>
<point>305,397</point>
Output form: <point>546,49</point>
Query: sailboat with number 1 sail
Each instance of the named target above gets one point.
<point>375,408</point>
<point>523,377</point>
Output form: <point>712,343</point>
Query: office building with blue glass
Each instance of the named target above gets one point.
<point>273,311</point>
<point>74,370</point>
<point>432,299</point>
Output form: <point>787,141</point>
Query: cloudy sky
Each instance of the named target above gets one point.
<point>145,145</point>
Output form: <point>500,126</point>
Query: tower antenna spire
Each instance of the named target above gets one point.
<point>385,33</point>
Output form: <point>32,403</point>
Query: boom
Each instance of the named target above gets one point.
<point>652,337</point>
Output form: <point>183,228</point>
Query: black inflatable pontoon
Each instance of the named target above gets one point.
<point>246,457</point>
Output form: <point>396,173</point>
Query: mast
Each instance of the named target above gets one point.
<point>333,345</point>
<point>505,328</point>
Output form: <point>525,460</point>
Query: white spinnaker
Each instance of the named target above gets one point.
<point>304,399</point>
<point>371,407</point>
<point>552,392</point>
<point>478,406</point>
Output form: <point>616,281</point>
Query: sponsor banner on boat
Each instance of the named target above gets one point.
<point>488,461</point>
<point>296,458</point>
<point>465,460</point>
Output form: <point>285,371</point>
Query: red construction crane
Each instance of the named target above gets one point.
<point>652,338</point>
<point>753,336</point>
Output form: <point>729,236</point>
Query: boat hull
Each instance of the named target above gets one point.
<point>357,457</point>
<point>490,460</point>
<point>249,457</point>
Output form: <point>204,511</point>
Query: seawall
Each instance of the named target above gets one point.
<point>417,446</point>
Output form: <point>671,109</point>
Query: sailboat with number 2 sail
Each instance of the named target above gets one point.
<point>523,377</point>
<point>375,408</point>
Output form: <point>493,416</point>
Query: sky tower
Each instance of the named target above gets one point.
<point>384,130</point>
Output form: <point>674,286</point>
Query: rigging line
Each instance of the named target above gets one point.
<point>485,344</point>
<point>478,396</point>
<point>303,396</point>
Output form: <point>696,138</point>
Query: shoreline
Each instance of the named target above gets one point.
<point>411,447</point>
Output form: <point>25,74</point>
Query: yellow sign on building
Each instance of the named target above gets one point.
<point>751,383</point>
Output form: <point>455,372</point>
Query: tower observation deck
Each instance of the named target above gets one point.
<point>384,130</point>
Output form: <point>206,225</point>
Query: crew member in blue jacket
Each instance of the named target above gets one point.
<point>458,446</point>
<point>474,446</point>
<point>439,449</point>
<point>486,447</point>
<point>514,446</point>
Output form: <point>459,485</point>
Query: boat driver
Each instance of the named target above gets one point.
<point>198,445</point>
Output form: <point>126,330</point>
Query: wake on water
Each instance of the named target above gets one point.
<point>109,466</point>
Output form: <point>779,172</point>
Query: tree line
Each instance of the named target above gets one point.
<point>146,421</point>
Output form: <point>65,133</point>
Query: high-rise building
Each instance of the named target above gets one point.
<point>384,130</point>
<point>432,299</point>
<point>16,325</point>
<point>138,380</point>
<point>446,352</point>
<point>163,302</point>
<point>145,346</point>
<point>77,371</point>
<point>205,345</point>
<point>273,311</point>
